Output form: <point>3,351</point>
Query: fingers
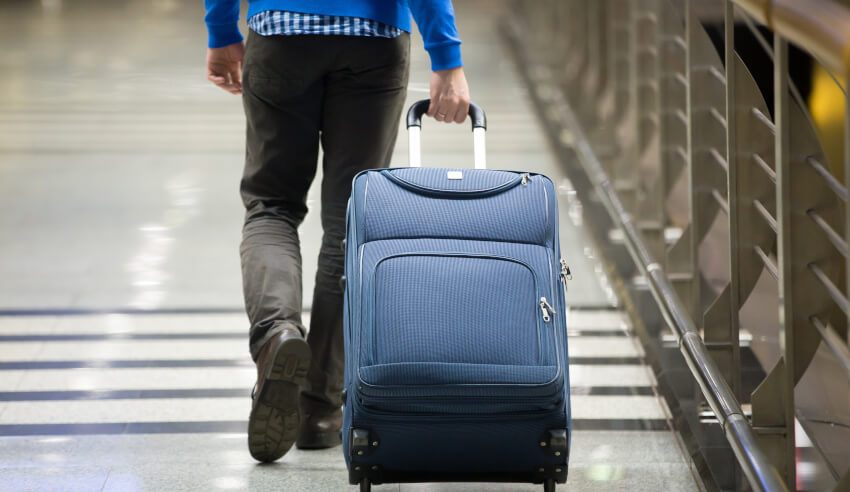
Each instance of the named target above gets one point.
<point>230,82</point>
<point>224,67</point>
<point>462,111</point>
<point>449,96</point>
<point>236,80</point>
<point>222,81</point>
<point>217,79</point>
<point>450,110</point>
<point>445,111</point>
<point>432,107</point>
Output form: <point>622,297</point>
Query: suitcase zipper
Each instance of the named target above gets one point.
<point>566,274</point>
<point>525,179</point>
<point>542,390</point>
<point>547,309</point>
<point>439,192</point>
<point>364,408</point>
<point>537,283</point>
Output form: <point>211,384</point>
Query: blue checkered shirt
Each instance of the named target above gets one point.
<point>282,22</point>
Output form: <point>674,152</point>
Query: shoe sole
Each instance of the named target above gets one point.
<point>274,420</point>
<point>319,440</point>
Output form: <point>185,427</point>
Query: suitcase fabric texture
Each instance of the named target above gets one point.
<point>456,365</point>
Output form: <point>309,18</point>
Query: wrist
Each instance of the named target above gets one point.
<point>448,72</point>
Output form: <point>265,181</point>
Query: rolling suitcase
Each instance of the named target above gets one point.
<point>455,331</point>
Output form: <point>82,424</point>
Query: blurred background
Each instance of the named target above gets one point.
<point>119,162</point>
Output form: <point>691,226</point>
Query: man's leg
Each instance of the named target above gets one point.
<point>364,97</point>
<point>282,97</point>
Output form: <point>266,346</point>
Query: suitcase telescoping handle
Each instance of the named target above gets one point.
<point>414,129</point>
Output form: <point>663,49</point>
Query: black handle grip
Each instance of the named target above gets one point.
<point>414,114</point>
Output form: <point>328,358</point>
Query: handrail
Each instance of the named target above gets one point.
<point>818,26</point>
<point>717,392</point>
<point>714,387</point>
<point>689,155</point>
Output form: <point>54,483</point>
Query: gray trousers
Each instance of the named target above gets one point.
<point>346,94</point>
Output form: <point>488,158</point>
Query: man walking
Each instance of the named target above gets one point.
<point>315,72</point>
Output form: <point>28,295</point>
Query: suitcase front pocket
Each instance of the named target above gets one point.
<point>456,309</point>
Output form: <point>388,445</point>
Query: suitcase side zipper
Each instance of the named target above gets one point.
<point>566,274</point>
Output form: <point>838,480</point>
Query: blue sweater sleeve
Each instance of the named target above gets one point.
<point>221,19</point>
<point>436,22</point>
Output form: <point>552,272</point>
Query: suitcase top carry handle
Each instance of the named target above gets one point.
<point>414,128</point>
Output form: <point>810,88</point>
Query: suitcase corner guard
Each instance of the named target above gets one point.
<point>557,442</point>
<point>361,442</point>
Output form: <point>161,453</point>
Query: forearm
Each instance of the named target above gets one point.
<point>436,22</point>
<point>222,19</point>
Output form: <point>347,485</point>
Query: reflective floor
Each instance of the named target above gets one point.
<point>123,348</point>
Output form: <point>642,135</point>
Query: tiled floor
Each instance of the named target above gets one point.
<point>123,350</point>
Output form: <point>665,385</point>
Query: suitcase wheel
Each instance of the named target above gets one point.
<point>366,485</point>
<point>548,485</point>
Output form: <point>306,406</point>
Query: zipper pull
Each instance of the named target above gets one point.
<point>525,179</point>
<point>546,308</point>
<point>566,274</point>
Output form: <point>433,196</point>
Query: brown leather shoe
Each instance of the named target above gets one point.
<point>282,367</point>
<point>320,431</point>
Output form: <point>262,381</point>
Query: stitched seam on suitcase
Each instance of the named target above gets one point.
<point>468,318</point>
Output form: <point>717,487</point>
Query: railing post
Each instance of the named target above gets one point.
<point>847,204</point>
<point>731,335</point>
<point>672,102</point>
<point>781,445</point>
<point>676,135</point>
<point>707,173</point>
<point>596,52</point>
<point>625,175</point>
<point>650,183</point>
<point>620,62</point>
<point>687,253</point>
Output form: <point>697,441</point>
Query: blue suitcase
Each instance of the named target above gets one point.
<point>455,331</point>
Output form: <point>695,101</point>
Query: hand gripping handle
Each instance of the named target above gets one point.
<point>414,127</point>
<point>417,109</point>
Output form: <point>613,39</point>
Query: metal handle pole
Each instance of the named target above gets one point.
<point>415,146</point>
<point>414,131</point>
<point>479,148</point>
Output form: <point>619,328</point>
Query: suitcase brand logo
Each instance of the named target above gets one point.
<point>455,174</point>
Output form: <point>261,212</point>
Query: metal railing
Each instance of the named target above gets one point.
<point>674,134</point>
